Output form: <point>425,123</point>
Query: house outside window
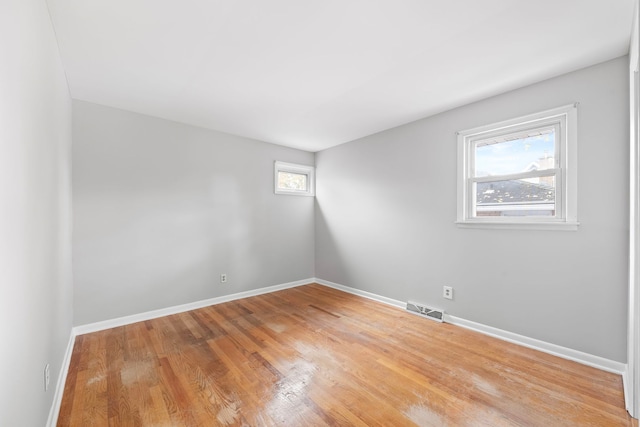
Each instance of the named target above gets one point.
<point>520,173</point>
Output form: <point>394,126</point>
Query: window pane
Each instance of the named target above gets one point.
<point>515,153</point>
<point>292,181</point>
<point>518,197</point>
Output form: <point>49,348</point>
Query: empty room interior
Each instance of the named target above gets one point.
<point>319,213</point>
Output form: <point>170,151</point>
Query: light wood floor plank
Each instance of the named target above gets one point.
<point>315,356</point>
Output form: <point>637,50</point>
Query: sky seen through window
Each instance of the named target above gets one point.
<point>515,156</point>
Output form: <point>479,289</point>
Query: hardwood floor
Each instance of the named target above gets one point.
<point>314,356</point>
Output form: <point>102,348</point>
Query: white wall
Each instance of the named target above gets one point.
<point>35,222</point>
<point>386,206</point>
<point>161,209</point>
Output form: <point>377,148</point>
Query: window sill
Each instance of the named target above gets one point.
<point>294,193</point>
<point>520,225</point>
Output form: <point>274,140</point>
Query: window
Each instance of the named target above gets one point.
<point>294,179</point>
<point>520,173</point>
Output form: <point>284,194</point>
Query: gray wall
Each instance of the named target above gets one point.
<point>161,209</point>
<point>386,206</point>
<point>35,213</point>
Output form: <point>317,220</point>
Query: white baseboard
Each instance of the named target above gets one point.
<point>127,320</point>
<point>545,347</point>
<point>62,379</point>
<point>626,387</point>
<point>354,291</point>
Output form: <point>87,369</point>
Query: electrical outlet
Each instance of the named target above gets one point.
<point>447,292</point>
<point>223,278</point>
<point>47,377</point>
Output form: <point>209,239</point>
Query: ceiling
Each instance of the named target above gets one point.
<point>313,74</point>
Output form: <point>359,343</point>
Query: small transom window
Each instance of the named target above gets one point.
<point>290,178</point>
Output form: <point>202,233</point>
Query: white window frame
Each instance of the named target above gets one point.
<point>564,120</point>
<point>309,171</point>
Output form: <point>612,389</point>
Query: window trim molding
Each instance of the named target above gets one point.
<point>309,171</point>
<point>566,201</point>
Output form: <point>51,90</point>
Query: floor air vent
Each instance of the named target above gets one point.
<point>424,311</point>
